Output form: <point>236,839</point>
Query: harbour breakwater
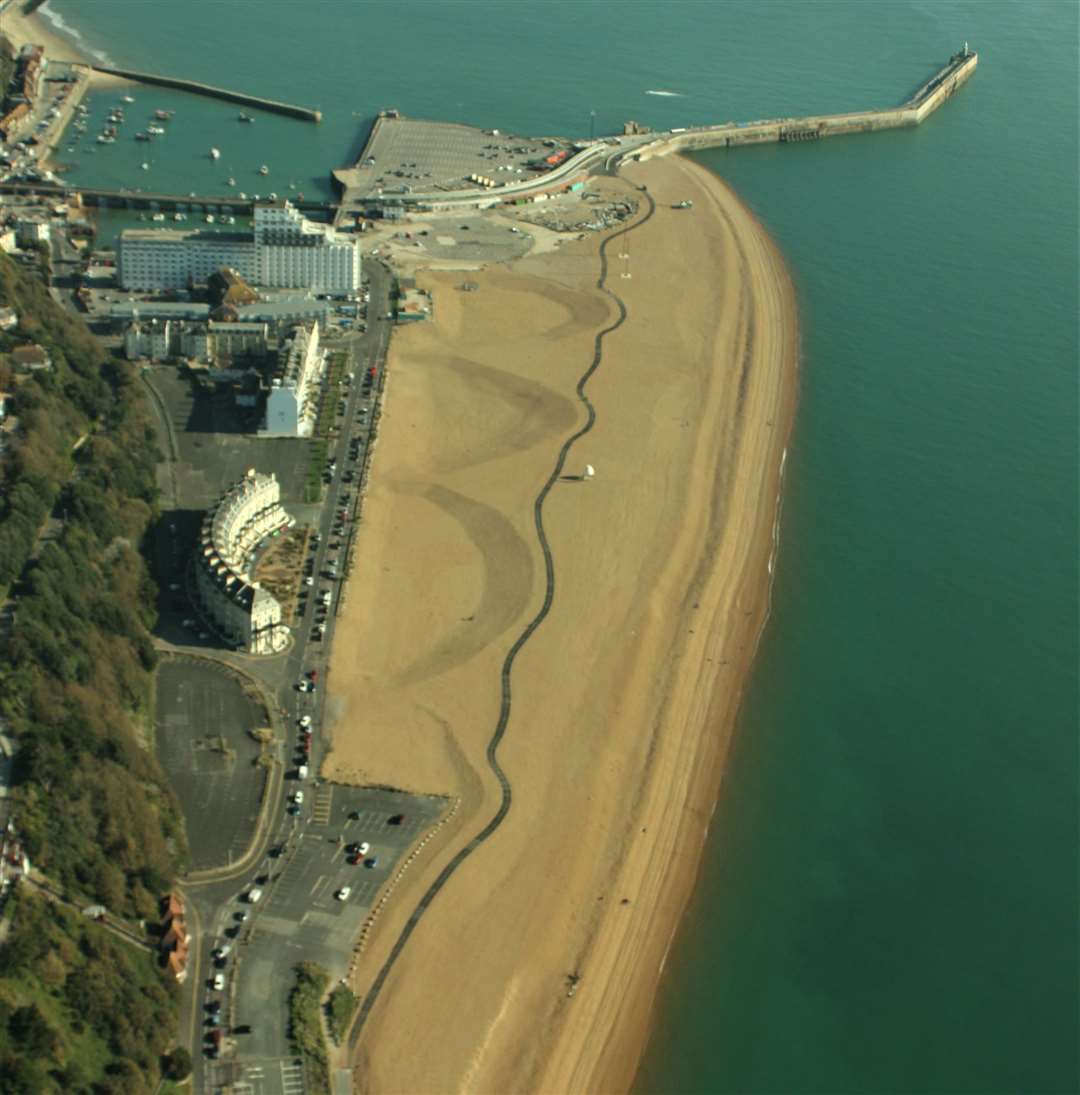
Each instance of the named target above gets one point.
<point>255,101</point>
<point>940,87</point>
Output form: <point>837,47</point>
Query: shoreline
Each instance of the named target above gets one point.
<point>529,1032</point>
<point>37,28</point>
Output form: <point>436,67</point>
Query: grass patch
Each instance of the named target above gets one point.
<point>339,1011</point>
<point>305,1026</point>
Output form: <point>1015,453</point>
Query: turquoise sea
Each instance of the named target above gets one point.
<point>888,900</point>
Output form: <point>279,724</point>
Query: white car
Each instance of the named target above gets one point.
<point>343,893</point>
<point>363,848</point>
<point>305,721</point>
<point>219,981</point>
<point>298,797</point>
<point>309,581</point>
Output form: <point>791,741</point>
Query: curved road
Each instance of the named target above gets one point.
<point>511,655</point>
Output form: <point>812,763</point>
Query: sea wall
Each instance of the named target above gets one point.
<point>196,88</point>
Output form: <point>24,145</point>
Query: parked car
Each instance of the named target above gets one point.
<point>219,982</point>
<point>343,893</point>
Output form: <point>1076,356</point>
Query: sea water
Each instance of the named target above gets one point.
<point>888,899</point>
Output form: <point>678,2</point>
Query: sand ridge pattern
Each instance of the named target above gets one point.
<point>507,668</point>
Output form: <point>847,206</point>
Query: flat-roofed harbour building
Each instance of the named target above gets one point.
<point>284,250</point>
<point>244,612</point>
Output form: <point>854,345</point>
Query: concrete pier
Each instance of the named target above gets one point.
<point>196,88</point>
<point>936,90</point>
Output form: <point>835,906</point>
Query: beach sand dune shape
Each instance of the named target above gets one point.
<point>508,575</point>
<point>522,413</point>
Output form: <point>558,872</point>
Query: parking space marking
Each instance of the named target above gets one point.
<point>292,1079</point>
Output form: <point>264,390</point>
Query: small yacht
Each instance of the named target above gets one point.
<point>128,99</point>
<point>215,154</point>
<point>146,167</point>
<point>155,129</point>
<point>158,217</point>
<point>231,181</point>
<point>246,117</point>
<point>163,115</point>
<point>209,218</point>
<point>271,196</point>
<point>142,136</point>
<point>178,216</point>
<point>264,170</point>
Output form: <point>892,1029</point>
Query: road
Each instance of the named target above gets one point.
<point>216,902</point>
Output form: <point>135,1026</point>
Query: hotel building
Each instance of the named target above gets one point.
<point>283,251</point>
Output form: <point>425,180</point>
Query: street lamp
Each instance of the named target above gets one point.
<point>592,123</point>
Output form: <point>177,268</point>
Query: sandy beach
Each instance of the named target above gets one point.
<point>624,698</point>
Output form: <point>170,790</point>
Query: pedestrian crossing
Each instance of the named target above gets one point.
<point>320,811</point>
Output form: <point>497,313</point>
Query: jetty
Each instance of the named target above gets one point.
<point>255,101</point>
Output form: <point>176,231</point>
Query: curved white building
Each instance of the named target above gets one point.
<point>232,530</point>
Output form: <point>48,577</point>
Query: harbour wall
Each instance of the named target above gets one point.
<point>923,103</point>
<point>131,199</point>
<point>228,96</point>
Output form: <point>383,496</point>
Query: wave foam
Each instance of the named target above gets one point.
<point>68,31</point>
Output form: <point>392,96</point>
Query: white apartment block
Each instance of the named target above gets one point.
<point>241,610</point>
<point>292,404</point>
<point>284,251</point>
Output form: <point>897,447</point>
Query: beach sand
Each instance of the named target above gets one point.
<point>625,697</point>
<point>22,29</point>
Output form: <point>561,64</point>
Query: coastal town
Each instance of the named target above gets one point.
<point>331,631</point>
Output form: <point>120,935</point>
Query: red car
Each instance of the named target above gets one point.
<point>313,675</point>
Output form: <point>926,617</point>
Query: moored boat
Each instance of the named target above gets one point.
<point>215,154</point>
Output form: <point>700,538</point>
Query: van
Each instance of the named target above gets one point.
<point>302,772</point>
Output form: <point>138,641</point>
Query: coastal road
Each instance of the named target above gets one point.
<point>217,901</point>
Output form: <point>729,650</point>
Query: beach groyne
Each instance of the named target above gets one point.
<point>195,88</point>
<point>932,94</point>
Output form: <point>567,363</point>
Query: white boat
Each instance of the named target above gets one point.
<point>128,99</point>
<point>215,154</point>
<point>155,129</point>
<point>232,181</point>
<point>209,218</point>
<point>146,167</point>
<point>264,170</point>
<point>178,216</point>
<point>272,196</point>
<point>158,217</point>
